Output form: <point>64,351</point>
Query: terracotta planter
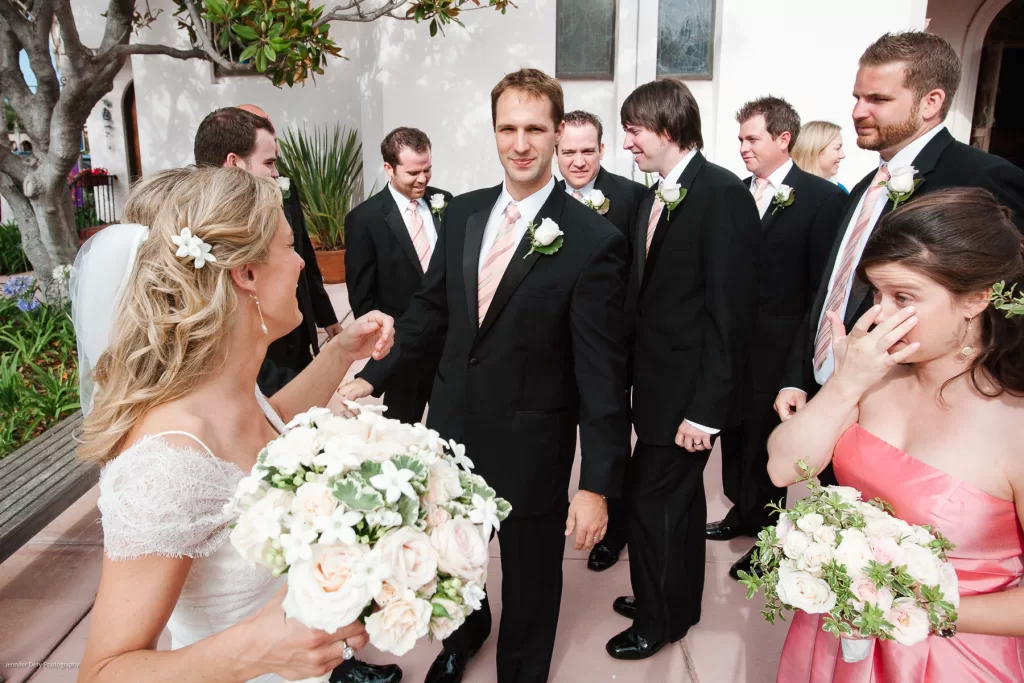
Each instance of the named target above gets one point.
<point>332,265</point>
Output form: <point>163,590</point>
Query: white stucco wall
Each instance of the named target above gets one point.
<point>804,50</point>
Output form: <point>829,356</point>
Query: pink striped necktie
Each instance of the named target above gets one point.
<point>419,235</point>
<point>652,222</point>
<point>841,282</point>
<point>760,184</point>
<point>497,260</point>
<point>577,195</point>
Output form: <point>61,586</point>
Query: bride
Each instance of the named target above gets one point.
<point>173,322</point>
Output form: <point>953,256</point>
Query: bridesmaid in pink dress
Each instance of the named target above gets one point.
<point>925,412</point>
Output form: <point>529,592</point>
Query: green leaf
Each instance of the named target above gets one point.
<point>409,508</point>
<point>357,496</point>
<point>248,52</point>
<point>269,53</point>
<point>408,462</point>
<point>548,250</point>
<point>438,611</point>
<point>244,32</point>
<point>216,7</point>
<point>368,468</point>
<point>433,27</point>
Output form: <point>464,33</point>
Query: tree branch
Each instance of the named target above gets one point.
<point>205,42</point>
<point>77,52</point>
<point>338,13</point>
<point>15,89</point>
<point>128,49</point>
<point>13,165</point>
<point>118,28</point>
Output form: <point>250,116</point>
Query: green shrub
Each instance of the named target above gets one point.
<point>12,256</point>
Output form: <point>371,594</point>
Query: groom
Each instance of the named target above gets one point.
<point>533,350</point>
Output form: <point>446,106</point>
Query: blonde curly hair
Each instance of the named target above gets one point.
<point>172,317</point>
<point>814,137</point>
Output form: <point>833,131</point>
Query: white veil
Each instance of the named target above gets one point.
<point>102,269</point>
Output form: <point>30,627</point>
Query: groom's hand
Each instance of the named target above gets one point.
<point>588,517</point>
<point>691,438</point>
<point>353,391</point>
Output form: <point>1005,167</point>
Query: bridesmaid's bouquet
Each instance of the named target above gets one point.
<point>371,519</point>
<point>872,574</point>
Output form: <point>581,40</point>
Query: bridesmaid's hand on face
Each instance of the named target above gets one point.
<point>865,356</point>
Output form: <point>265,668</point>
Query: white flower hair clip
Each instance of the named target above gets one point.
<point>192,246</point>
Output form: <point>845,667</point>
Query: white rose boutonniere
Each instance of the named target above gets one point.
<point>286,186</point>
<point>545,238</point>
<point>437,204</point>
<point>783,198</point>
<point>671,195</point>
<point>598,202</point>
<point>902,184</point>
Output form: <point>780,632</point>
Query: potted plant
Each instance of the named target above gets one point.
<point>328,170</point>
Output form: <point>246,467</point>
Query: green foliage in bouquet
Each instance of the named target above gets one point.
<point>842,514</point>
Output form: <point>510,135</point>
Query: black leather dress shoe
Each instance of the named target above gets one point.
<point>631,645</point>
<point>448,667</point>
<point>744,564</point>
<point>626,606</point>
<point>602,557</point>
<point>363,672</point>
<point>721,531</point>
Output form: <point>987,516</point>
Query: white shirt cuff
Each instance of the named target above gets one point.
<point>794,389</point>
<point>702,428</point>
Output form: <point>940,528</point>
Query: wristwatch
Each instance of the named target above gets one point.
<point>947,632</point>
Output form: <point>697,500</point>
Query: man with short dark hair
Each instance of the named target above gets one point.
<point>579,153</point>
<point>389,240</point>
<point>904,89</point>
<point>533,352</point>
<point>690,299</point>
<point>800,215</point>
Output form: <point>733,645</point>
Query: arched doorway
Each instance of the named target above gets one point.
<point>130,117</point>
<point>997,126</point>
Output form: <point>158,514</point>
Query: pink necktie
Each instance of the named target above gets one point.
<point>841,282</point>
<point>652,223</point>
<point>497,260</point>
<point>577,196</point>
<point>760,184</point>
<point>419,236</point>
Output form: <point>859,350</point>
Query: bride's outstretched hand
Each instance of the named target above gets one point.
<point>372,334</point>
<point>287,648</point>
<point>866,355</point>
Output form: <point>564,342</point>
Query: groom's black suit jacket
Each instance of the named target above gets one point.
<point>692,304</point>
<point>548,357</point>
<point>942,164</point>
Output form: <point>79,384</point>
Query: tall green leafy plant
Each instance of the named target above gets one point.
<point>12,255</point>
<point>328,170</point>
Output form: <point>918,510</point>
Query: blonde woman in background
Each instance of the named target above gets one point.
<point>176,420</point>
<point>819,149</point>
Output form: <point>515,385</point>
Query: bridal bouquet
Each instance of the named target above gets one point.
<point>371,519</point>
<point>871,573</point>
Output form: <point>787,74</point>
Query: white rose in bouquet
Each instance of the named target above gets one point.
<point>547,232</point>
<point>796,544</point>
<point>805,592</point>
<point>922,564</point>
<point>388,592</point>
<point>886,550</point>
<point>917,535</point>
<point>815,557</point>
<point>827,535</point>
<point>865,591</point>
<point>461,550</point>
<point>250,543</point>
<point>910,621</point>
<point>341,427</point>
<point>810,523</point>
<point>436,516</point>
<point>409,553</point>
<point>854,552</point>
<point>399,624</point>
<point>443,484</point>
<point>783,527</point>
<point>327,592</point>
<point>443,626</point>
<point>885,527</point>
<point>313,500</point>
<point>949,584</point>
<point>296,447</point>
<point>260,525</point>
<point>847,493</point>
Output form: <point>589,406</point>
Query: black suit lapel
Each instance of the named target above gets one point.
<point>665,223</point>
<point>774,212</point>
<point>395,221</point>
<point>521,264</point>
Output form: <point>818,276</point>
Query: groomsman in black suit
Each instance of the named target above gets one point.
<point>905,86</point>
<point>245,137</point>
<point>800,214</point>
<point>389,240</point>
<point>691,295</point>
<point>579,153</point>
<point>533,350</point>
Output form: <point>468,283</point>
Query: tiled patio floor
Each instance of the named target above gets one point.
<point>47,589</point>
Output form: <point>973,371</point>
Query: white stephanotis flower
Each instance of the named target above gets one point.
<point>339,455</point>
<point>473,595</point>
<point>298,544</point>
<point>338,528</point>
<point>459,456</point>
<point>193,247</point>
<point>485,512</point>
<point>393,482</point>
<point>371,570</point>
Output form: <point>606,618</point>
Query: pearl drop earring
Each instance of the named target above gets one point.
<point>263,324</point>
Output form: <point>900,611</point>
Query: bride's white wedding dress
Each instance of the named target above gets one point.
<point>160,499</point>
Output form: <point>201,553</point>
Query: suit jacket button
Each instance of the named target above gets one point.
<point>474,361</point>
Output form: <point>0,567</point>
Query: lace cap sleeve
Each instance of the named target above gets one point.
<point>160,499</point>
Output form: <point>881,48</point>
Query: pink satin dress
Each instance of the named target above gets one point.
<point>989,546</point>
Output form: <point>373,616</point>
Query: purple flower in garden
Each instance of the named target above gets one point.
<point>18,287</point>
<point>28,305</point>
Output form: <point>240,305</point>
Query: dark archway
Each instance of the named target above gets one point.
<point>998,126</point>
<point>130,117</point>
